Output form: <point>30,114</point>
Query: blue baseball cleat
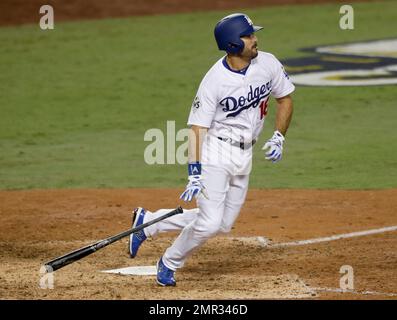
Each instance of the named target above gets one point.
<point>165,276</point>
<point>136,239</point>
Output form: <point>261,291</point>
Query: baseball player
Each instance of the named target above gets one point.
<point>226,118</point>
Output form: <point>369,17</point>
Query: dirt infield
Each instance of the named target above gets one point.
<point>15,12</point>
<point>36,226</point>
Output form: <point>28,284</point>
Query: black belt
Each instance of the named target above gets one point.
<point>241,145</point>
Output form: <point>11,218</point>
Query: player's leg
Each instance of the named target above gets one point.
<point>208,220</point>
<point>142,215</point>
<point>235,198</point>
<point>174,223</point>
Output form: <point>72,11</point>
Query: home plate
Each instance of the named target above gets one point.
<point>135,271</point>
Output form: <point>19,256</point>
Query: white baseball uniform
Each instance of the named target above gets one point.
<point>233,105</point>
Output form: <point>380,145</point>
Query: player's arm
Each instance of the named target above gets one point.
<point>196,138</point>
<point>201,116</point>
<point>195,185</point>
<point>283,114</point>
<point>274,145</point>
<point>282,88</point>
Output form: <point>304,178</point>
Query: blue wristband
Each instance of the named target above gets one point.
<point>194,168</point>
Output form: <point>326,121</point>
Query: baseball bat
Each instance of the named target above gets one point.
<point>78,254</point>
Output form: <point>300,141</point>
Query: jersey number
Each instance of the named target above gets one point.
<point>263,108</point>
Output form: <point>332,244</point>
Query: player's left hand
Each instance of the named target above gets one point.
<point>275,146</point>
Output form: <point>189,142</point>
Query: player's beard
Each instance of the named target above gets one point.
<point>249,52</point>
<point>254,51</point>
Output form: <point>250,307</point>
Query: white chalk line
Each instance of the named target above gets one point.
<point>338,290</point>
<point>264,242</point>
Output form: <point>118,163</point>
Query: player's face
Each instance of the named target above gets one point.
<point>250,46</point>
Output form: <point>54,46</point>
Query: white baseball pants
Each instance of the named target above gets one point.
<point>216,215</point>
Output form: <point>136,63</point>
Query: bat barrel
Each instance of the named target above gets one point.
<point>68,258</point>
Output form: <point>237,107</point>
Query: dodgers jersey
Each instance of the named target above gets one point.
<point>233,104</point>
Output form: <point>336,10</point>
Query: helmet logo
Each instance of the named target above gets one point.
<point>248,20</point>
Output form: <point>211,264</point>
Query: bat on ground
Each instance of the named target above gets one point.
<point>78,254</point>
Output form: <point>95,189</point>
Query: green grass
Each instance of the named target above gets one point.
<point>75,102</point>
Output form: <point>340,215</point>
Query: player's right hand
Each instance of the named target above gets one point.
<point>195,185</point>
<point>194,188</point>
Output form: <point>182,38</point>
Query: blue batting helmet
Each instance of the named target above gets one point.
<point>230,29</point>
